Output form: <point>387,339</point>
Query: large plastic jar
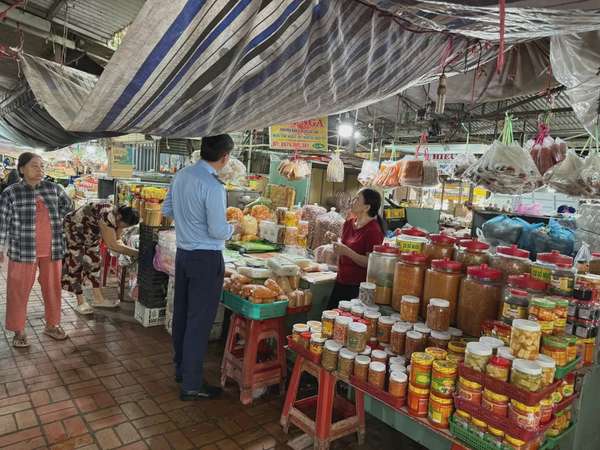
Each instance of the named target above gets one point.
<point>525,282</point>
<point>471,252</point>
<point>409,276</point>
<point>442,280</point>
<point>545,264</point>
<point>439,246</point>
<point>526,375</point>
<point>411,240</point>
<point>525,339</point>
<point>380,271</point>
<point>409,308</point>
<point>510,260</point>
<point>477,356</point>
<point>548,366</point>
<point>479,298</point>
<point>438,314</point>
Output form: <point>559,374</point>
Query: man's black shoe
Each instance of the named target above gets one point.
<point>205,392</point>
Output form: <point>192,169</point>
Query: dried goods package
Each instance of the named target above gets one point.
<point>368,172</point>
<point>564,176</point>
<point>234,173</point>
<point>328,228</point>
<point>310,214</point>
<point>335,169</point>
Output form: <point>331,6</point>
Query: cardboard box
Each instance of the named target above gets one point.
<point>149,317</point>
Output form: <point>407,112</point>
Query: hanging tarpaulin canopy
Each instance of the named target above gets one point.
<point>195,68</point>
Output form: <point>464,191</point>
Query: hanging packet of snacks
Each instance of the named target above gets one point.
<point>310,214</point>
<point>368,172</point>
<point>388,175</point>
<point>294,169</point>
<point>590,173</point>
<point>564,176</point>
<point>328,228</point>
<point>419,173</point>
<point>234,173</point>
<point>546,151</point>
<point>335,169</point>
<point>505,168</point>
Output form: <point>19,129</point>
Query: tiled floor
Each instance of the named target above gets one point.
<point>110,385</point>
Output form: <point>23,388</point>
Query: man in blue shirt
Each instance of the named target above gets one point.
<point>197,202</point>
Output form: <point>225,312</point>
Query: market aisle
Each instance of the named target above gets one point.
<point>111,386</point>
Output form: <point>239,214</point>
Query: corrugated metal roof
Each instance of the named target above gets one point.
<point>97,19</point>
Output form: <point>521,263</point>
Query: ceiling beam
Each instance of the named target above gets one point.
<point>54,9</point>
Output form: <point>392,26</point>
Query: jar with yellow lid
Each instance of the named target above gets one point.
<point>469,391</point>
<point>546,410</point>
<point>525,416</point>
<point>462,418</point>
<point>436,353</point>
<point>420,373</point>
<point>443,377</point>
<point>542,311</point>
<point>440,410</point>
<point>456,350</point>
<point>515,443</point>
<point>495,403</point>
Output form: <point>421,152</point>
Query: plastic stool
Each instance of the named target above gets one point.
<point>322,429</point>
<point>249,360</point>
<point>109,263</point>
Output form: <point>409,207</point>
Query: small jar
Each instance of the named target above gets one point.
<point>366,293</point>
<point>556,348</point>
<point>384,329</point>
<point>561,309</point>
<point>498,368</point>
<point>399,360</point>
<point>479,427</point>
<point>329,359</point>
<point>327,323</point>
<point>420,372</point>
<point>396,368</point>
<point>471,252</point>
<point>418,401</point>
<point>438,314</point>
<point>439,339</point>
<point>440,410</point>
<point>345,306</point>
<point>345,363</point>
<point>366,351</point>
<point>377,374</point>
<point>548,366</point>
<point>415,342</point>
<point>497,434</point>
<point>358,311</point>
<point>469,391</point>
<point>409,308</point>
<point>562,279</point>
<point>396,317</point>
<point>317,342</point>
<point>571,348</point>
<point>297,330</point>
<point>442,280</point>
<point>495,403</point>
<point>542,311</point>
<point>379,356</point>
<point>340,329</point>
<point>315,326</point>
<point>546,410</point>
<point>372,318</point>
<point>526,375</point>
<point>516,302</point>
<point>398,337</point>
<point>524,416</point>
<point>423,329</point>
<point>443,377</point>
<point>477,356</point>
<point>525,339</point>
<point>357,337</point>
<point>397,384</point>
<point>455,333</point>
<point>361,367</point>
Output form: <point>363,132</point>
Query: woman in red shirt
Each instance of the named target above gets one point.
<point>360,234</point>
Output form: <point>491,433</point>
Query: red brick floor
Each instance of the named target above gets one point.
<point>110,385</point>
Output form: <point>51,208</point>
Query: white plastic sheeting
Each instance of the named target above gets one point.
<point>575,62</point>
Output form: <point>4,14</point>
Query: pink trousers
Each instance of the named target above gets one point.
<point>20,279</point>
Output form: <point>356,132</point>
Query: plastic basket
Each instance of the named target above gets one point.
<point>474,440</point>
<point>553,442</point>
<point>254,311</point>
<point>563,371</point>
<point>381,395</point>
<point>502,387</point>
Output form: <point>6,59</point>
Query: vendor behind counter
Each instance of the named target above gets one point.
<point>360,234</point>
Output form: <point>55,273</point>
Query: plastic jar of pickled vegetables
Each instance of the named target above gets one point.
<point>492,342</point>
<point>505,353</point>
<point>409,275</point>
<point>510,260</point>
<point>439,246</point>
<point>471,252</point>
<point>526,375</point>
<point>548,366</point>
<point>525,339</point>
<point>477,356</point>
<point>498,368</point>
<point>545,264</point>
<point>380,270</point>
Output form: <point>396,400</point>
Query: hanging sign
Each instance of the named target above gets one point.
<point>120,160</point>
<point>306,135</point>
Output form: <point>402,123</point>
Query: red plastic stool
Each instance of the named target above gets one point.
<point>249,360</point>
<point>109,263</point>
<point>351,416</point>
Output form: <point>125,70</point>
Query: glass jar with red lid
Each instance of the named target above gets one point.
<point>380,271</point>
<point>525,282</point>
<point>409,275</point>
<point>545,263</point>
<point>439,246</point>
<point>442,280</point>
<point>479,298</point>
<point>510,260</point>
<point>471,252</point>
<point>411,239</point>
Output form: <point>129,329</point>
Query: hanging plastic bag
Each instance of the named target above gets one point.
<point>546,151</point>
<point>464,160</point>
<point>564,176</point>
<point>368,172</point>
<point>590,173</point>
<point>505,168</point>
<point>583,257</point>
<point>294,169</point>
<point>328,228</point>
<point>335,169</point>
<point>234,173</point>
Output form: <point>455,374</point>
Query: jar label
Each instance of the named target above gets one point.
<point>410,246</point>
<point>514,311</point>
<point>562,284</point>
<point>422,378</point>
<point>541,273</point>
<point>327,328</point>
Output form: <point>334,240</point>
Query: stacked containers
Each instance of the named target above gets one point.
<point>442,280</point>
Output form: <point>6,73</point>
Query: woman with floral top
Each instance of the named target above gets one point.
<point>31,216</point>
<point>84,228</point>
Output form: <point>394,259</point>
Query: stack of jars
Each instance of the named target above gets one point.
<point>519,291</point>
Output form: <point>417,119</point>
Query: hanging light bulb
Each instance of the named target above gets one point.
<point>440,103</point>
<point>345,130</point>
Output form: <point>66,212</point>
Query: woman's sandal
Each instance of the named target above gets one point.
<point>56,332</point>
<point>20,341</point>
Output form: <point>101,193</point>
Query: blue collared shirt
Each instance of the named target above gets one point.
<point>197,202</point>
